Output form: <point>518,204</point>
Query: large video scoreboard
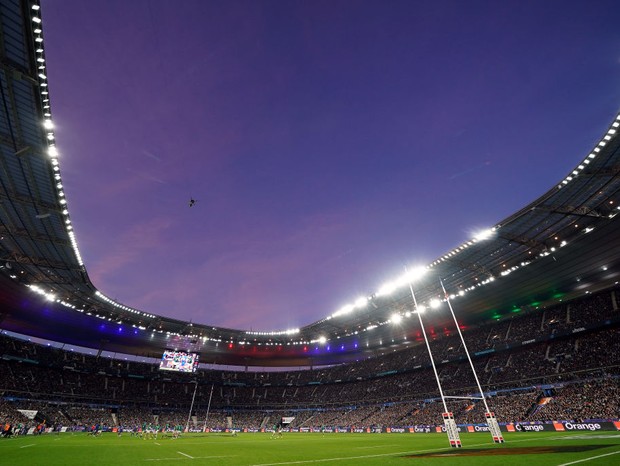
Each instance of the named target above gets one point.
<point>178,361</point>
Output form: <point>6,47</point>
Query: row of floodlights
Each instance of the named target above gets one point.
<point>48,126</point>
<point>610,133</point>
<point>100,295</point>
<point>434,303</point>
<point>320,340</point>
<point>410,276</point>
<point>291,331</point>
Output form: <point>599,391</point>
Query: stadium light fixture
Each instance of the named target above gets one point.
<point>484,234</point>
<point>396,318</point>
<point>435,303</point>
<point>361,302</point>
<point>347,309</point>
<point>412,275</point>
<point>387,289</point>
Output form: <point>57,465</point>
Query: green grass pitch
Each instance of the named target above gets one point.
<point>531,449</point>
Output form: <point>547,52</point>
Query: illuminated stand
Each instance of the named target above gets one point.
<point>451,428</point>
<point>490,417</point>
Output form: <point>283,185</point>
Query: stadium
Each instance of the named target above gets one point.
<point>521,323</point>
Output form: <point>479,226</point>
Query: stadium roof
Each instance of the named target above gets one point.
<point>561,246</point>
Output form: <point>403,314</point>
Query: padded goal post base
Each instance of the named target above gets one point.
<point>494,428</point>
<point>452,430</point>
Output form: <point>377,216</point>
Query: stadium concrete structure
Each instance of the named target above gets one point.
<point>562,246</point>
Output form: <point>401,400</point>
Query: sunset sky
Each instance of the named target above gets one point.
<point>328,144</point>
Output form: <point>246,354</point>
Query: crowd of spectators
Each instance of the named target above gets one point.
<point>556,346</point>
<point>586,400</point>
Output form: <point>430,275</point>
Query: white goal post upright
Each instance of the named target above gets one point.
<point>490,417</point>
<point>189,416</point>
<point>449,423</point>
<point>204,429</point>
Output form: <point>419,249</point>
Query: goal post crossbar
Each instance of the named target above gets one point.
<point>465,397</point>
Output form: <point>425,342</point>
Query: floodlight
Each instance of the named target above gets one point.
<point>484,234</point>
<point>414,274</point>
<point>387,289</point>
<point>361,302</point>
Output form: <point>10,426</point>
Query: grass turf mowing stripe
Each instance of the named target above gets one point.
<point>313,450</point>
<point>378,455</point>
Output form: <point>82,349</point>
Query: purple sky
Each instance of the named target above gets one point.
<point>328,143</point>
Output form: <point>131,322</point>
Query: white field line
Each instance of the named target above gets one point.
<point>590,458</point>
<point>185,454</point>
<point>375,446</point>
<point>185,459</point>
